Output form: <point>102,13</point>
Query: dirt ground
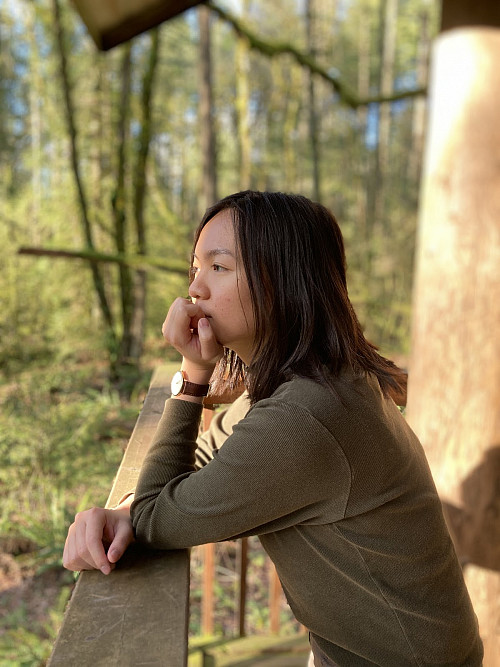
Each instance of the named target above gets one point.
<point>26,595</point>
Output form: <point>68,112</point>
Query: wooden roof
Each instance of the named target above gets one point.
<point>111,22</point>
<point>460,13</point>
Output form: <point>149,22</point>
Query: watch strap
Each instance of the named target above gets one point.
<point>193,389</point>
<point>181,385</point>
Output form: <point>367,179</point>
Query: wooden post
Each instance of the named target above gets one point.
<point>454,378</point>
<point>139,613</point>
<point>275,593</point>
<point>242,592</point>
<point>207,608</point>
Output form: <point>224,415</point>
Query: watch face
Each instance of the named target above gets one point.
<point>177,383</point>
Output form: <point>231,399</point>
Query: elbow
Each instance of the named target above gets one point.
<point>145,533</point>
<point>150,529</point>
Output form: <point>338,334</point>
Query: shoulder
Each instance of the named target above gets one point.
<point>290,425</point>
<point>299,408</point>
<point>330,404</point>
<point>352,409</point>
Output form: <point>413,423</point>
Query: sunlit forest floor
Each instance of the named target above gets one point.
<point>63,431</point>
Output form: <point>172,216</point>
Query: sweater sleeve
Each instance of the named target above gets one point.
<point>276,469</point>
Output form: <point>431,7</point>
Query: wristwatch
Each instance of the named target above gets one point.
<point>180,385</point>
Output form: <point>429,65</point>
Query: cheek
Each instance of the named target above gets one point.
<point>247,312</point>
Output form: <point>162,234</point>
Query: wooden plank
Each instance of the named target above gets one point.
<point>112,22</point>
<point>137,615</point>
<point>139,442</point>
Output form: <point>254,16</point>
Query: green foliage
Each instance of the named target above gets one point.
<point>49,436</point>
<point>21,646</point>
<point>62,436</point>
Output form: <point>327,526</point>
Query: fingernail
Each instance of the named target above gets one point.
<point>105,569</point>
<point>203,323</point>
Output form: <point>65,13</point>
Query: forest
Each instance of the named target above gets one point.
<point>107,162</point>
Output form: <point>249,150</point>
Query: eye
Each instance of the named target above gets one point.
<point>218,267</point>
<point>193,270</point>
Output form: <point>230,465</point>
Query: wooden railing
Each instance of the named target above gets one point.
<point>139,614</point>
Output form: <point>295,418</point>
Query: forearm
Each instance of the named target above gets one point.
<point>244,489</point>
<point>171,455</point>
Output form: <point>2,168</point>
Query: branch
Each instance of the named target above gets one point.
<point>135,261</point>
<point>346,95</point>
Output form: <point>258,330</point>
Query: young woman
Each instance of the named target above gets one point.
<point>317,459</point>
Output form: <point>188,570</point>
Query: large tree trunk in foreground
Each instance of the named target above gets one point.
<point>454,391</point>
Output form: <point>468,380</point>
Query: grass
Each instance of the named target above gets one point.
<point>62,435</point>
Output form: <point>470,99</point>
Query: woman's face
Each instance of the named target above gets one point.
<point>220,287</point>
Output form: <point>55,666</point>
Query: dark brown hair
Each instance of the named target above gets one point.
<point>293,255</point>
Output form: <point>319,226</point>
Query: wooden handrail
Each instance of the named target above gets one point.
<point>139,613</point>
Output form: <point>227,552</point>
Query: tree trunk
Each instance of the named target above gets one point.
<point>242,105</point>
<point>35,92</point>
<point>290,124</point>
<point>82,199</point>
<point>363,36</point>
<point>386,84</point>
<point>313,117</point>
<point>419,103</point>
<point>376,184</point>
<point>454,390</point>
<point>120,214</point>
<point>209,170</point>
<point>140,278</point>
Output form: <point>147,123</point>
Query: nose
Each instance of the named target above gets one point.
<point>198,288</point>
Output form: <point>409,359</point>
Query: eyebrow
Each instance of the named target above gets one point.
<point>215,251</point>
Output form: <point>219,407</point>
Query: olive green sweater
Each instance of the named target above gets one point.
<point>338,489</point>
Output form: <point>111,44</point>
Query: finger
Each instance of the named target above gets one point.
<point>74,545</point>
<point>96,524</point>
<point>181,318</point>
<point>211,350</point>
<point>70,558</point>
<point>123,537</point>
<point>82,557</point>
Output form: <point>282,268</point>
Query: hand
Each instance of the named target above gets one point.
<point>94,531</point>
<point>188,330</point>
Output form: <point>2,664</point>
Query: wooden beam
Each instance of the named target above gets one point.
<point>461,13</point>
<point>138,614</point>
<point>112,22</point>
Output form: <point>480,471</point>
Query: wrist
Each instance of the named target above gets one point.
<point>196,383</point>
<point>196,374</point>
